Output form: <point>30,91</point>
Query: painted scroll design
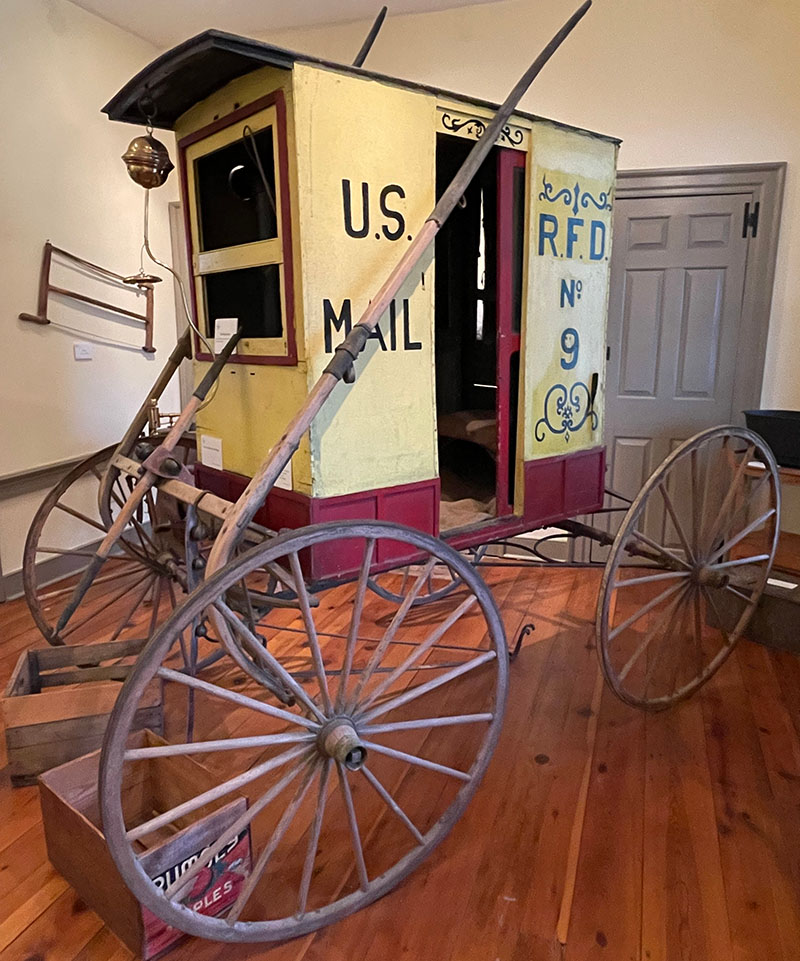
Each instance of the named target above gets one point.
<point>569,413</point>
<point>475,127</point>
<point>574,197</point>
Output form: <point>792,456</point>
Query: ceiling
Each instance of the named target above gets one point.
<point>166,24</point>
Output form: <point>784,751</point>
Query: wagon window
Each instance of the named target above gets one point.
<point>236,192</point>
<point>241,260</point>
<point>253,295</point>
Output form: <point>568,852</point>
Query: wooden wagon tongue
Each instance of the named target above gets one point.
<point>341,367</point>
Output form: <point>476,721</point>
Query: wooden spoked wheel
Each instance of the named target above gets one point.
<point>140,582</point>
<point>354,775</point>
<point>688,567</point>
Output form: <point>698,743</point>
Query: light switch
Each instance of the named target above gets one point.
<point>83,351</point>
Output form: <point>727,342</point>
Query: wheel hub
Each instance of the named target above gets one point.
<point>706,576</point>
<point>339,739</point>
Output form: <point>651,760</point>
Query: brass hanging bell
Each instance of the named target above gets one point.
<point>147,160</point>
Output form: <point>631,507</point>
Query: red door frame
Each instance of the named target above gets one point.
<point>508,161</point>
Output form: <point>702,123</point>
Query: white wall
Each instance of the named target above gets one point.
<point>61,178</point>
<point>683,82</point>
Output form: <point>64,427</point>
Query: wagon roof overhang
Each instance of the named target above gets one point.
<point>196,68</point>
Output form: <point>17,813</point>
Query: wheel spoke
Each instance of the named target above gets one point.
<point>645,643</point>
<point>260,651</point>
<point>755,490</point>
<point>283,628</point>
<point>696,517</point>
<point>708,478</point>
<point>732,542</point>
<point>649,579</point>
<point>81,517</point>
<point>424,722</point>
<point>690,553</point>
<point>391,630</point>
<point>718,525</point>
<point>355,623</point>
<point>311,631</point>
<point>355,837</point>
<point>307,675</point>
<point>241,699</point>
<point>156,604</point>
<point>414,759</point>
<point>249,614</point>
<point>418,652</point>
<point>661,551</point>
<point>176,889</point>
<point>393,806</point>
<point>745,597</point>
<point>710,598</point>
<point>214,793</point>
<point>224,744</point>
<point>741,561</point>
<point>114,576</point>
<point>313,840</point>
<point>143,536</point>
<point>65,551</point>
<point>132,609</point>
<point>698,632</point>
<point>654,663</point>
<point>431,685</point>
<point>277,836</point>
<point>644,610</point>
<point>130,587</point>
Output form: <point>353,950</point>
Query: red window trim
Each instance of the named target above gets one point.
<point>276,99</point>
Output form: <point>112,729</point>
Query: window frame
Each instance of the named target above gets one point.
<point>266,111</point>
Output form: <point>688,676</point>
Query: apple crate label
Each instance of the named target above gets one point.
<point>212,891</point>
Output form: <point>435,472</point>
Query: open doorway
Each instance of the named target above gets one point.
<point>478,309</point>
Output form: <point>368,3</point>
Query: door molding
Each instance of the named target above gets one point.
<point>766,183</point>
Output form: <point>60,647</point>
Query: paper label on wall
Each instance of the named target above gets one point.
<point>284,479</point>
<point>224,329</point>
<point>211,451</point>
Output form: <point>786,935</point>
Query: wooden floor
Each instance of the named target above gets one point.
<point>689,849</point>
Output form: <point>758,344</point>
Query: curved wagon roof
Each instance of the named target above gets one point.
<point>196,68</point>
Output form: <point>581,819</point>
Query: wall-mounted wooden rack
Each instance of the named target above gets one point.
<point>143,282</point>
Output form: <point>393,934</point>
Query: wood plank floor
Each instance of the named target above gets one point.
<point>689,849</point>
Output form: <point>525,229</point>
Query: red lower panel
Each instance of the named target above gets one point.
<point>564,486</point>
<point>555,488</point>
<point>413,505</point>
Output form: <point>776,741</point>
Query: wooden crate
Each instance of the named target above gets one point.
<point>77,848</point>
<point>57,703</point>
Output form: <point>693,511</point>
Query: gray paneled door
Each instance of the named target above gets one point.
<point>677,279</point>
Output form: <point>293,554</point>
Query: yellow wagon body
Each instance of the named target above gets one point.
<point>353,160</point>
